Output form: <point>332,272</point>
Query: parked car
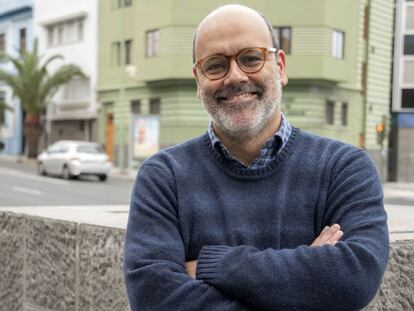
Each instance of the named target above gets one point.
<point>71,159</point>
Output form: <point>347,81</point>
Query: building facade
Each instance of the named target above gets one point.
<point>15,33</point>
<point>338,64</point>
<point>69,29</point>
<point>402,143</point>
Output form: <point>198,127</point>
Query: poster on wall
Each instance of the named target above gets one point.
<point>145,136</point>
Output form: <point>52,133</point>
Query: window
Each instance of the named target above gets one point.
<point>118,4</point>
<point>338,44</point>
<point>60,29</point>
<point>22,39</point>
<point>76,90</point>
<point>50,36</point>
<point>3,111</point>
<point>2,117</point>
<point>409,71</point>
<point>409,45</point>
<point>409,24</point>
<point>116,54</point>
<point>71,32</point>
<point>80,29</point>
<point>407,98</point>
<point>128,52</point>
<point>329,112</point>
<point>152,39</point>
<point>155,106</point>
<point>2,43</point>
<point>344,114</point>
<point>66,32</point>
<point>284,38</point>
<point>136,106</point>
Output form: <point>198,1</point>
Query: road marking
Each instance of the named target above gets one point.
<point>27,190</point>
<point>15,173</point>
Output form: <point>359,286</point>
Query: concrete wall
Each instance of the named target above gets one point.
<point>57,265</point>
<point>61,266</point>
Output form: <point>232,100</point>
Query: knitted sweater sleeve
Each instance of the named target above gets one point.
<point>154,258</point>
<point>341,277</point>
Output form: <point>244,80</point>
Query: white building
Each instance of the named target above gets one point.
<point>69,29</point>
<point>15,34</point>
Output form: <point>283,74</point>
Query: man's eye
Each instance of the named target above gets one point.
<point>250,60</point>
<point>214,67</point>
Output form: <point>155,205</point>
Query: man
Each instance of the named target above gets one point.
<point>255,214</point>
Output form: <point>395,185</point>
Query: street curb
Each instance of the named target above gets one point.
<point>17,159</point>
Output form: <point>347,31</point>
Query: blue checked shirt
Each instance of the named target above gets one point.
<point>269,150</point>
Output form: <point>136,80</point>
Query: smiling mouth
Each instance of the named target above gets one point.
<point>241,97</point>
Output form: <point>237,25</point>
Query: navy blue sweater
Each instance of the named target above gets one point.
<point>250,230</point>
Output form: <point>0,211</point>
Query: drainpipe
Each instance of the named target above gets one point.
<point>121,129</point>
<point>365,77</point>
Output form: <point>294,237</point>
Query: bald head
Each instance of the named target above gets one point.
<point>226,16</point>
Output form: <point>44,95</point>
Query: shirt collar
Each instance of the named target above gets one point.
<point>282,134</point>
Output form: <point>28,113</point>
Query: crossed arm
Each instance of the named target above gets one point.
<point>330,235</point>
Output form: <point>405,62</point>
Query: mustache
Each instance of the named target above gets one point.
<point>233,90</point>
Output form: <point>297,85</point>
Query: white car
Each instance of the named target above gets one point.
<point>71,159</point>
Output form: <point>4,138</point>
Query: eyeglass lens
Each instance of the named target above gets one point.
<point>249,60</point>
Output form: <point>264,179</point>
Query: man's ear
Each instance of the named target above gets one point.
<point>198,93</point>
<point>281,66</point>
<point>195,74</point>
<point>196,78</point>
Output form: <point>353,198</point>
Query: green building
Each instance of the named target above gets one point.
<point>338,64</point>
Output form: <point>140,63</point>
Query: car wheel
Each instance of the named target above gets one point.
<point>41,169</point>
<point>66,173</point>
<point>102,177</point>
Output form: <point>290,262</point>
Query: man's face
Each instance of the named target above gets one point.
<point>240,104</point>
<point>243,109</point>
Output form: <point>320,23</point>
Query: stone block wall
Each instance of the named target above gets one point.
<point>52,265</point>
<point>397,288</point>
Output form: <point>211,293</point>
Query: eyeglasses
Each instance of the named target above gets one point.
<point>249,60</point>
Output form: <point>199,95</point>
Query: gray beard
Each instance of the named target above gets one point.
<point>265,108</point>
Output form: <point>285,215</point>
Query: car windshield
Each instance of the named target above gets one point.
<point>94,149</point>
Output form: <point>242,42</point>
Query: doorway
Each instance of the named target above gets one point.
<point>109,135</point>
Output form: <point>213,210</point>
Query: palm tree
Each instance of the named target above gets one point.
<point>31,82</point>
<point>4,106</point>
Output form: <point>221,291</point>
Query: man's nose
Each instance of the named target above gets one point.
<point>235,74</point>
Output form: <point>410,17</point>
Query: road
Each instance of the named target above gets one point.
<point>21,186</point>
<point>106,203</point>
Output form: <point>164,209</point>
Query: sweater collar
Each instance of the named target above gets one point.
<point>268,152</point>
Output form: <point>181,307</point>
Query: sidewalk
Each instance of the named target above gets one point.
<point>127,174</point>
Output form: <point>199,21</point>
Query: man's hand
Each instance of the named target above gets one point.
<point>329,235</point>
<point>191,267</point>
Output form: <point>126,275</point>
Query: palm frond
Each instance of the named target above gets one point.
<point>12,81</point>
<point>4,106</point>
<point>62,76</point>
<point>31,81</point>
<point>49,60</point>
